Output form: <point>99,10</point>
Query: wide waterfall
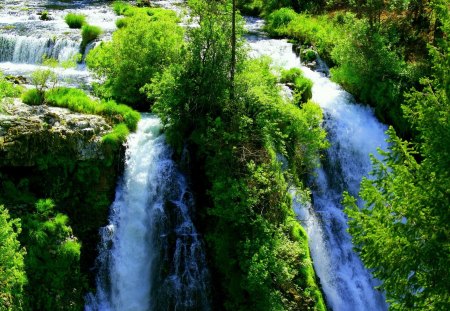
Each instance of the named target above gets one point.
<point>30,50</point>
<point>354,133</point>
<point>25,39</point>
<point>151,256</point>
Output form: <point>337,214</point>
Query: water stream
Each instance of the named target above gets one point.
<point>151,256</point>
<point>25,39</point>
<point>354,133</point>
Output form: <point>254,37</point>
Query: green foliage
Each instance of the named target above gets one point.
<point>369,69</point>
<point>121,22</point>
<point>278,21</point>
<point>89,33</point>
<point>149,40</point>
<point>75,20</point>
<point>402,230</point>
<point>255,242</point>
<point>44,16</point>
<point>120,7</point>
<point>45,78</point>
<point>117,137</point>
<point>7,91</point>
<point>301,86</point>
<point>52,261</point>
<point>12,276</point>
<point>32,97</point>
<point>78,101</point>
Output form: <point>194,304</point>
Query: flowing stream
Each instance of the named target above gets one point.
<point>354,133</point>
<point>151,256</point>
<point>25,39</point>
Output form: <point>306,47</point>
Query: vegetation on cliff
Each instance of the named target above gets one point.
<point>259,251</point>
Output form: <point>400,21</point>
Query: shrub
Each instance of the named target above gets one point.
<point>308,55</point>
<point>120,7</point>
<point>279,20</point>
<point>116,137</point>
<point>301,86</point>
<point>89,33</point>
<point>33,97</point>
<point>120,23</point>
<point>75,20</point>
<point>45,16</point>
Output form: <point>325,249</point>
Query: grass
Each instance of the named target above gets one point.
<point>32,97</point>
<point>120,7</point>
<point>75,20</point>
<point>78,101</point>
<point>89,33</point>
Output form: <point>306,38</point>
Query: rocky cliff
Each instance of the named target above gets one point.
<point>49,152</point>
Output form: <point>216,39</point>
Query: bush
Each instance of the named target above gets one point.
<point>151,41</point>
<point>45,16</point>
<point>75,20</point>
<point>89,33</point>
<point>120,7</point>
<point>33,97</point>
<point>120,23</point>
<point>308,55</point>
<point>279,20</point>
<point>301,86</point>
<point>117,137</point>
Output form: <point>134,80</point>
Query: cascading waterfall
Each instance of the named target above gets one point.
<point>151,256</point>
<point>354,133</point>
<point>25,39</point>
<point>31,50</point>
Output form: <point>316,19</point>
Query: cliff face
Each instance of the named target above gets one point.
<point>28,132</point>
<point>49,152</point>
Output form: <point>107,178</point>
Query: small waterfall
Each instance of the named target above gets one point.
<point>31,50</point>
<point>354,133</point>
<point>151,256</point>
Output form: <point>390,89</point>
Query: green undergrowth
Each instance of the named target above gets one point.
<point>147,40</point>
<point>123,117</point>
<point>258,251</point>
<point>362,59</point>
<point>89,33</point>
<point>300,85</point>
<point>75,20</point>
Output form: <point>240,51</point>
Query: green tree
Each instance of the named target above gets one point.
<point>52,261</point>
<point>12,272</point>
<point>150,41</point>
<point>402,231</point>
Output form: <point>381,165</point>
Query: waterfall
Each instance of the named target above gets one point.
<point>354,133</point>
<point>151,257</point>
<point>31,50</point>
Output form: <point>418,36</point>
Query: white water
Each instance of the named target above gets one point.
<point>25,39</point>
<point>151,257</point>
<point>354,134</point>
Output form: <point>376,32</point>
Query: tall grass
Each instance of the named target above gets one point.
<point>75,20</point>
<point>78,101</point>
<point>89,33</point>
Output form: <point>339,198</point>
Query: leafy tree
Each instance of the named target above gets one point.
<point>150,41</point>
<point>12,272</point>
<point>7,91</point>
<point>402,231</point>
<point>52,261</point>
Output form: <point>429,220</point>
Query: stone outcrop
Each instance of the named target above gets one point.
<point>50,152</point>
<point>29,132</point>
